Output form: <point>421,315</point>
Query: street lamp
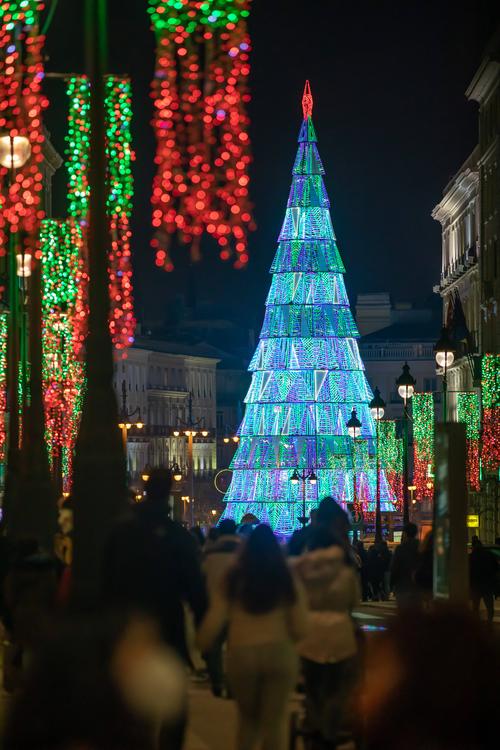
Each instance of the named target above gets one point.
<point>406,388</point>
<point>445,354</point>
<point>354,431</point>
<point>15,150</point>
<point>126,423</point>
<point>189,430</point>
<point>306,475</point>
<point>377,407</point>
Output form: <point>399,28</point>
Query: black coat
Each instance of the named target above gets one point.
<point>152,564</point>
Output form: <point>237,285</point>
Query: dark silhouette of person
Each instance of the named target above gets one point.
<point>363,569</point>
<point>152,564</point>
<point>404,564</point>
<point>483,571</point>
<point>300,537</point>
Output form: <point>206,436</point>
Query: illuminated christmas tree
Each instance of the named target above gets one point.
<point>307,372</point>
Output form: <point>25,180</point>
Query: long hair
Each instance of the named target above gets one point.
<point>260,580</point>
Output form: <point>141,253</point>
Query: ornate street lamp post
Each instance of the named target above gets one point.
<point>306,475</point>
<point>377,406</point>
<point>190,429</point>
<point>354,431</point>
<point>406,388</point>
<point>444,350</point>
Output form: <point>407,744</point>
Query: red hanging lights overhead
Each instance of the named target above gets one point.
<point>200,92</point>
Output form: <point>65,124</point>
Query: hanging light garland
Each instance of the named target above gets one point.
<point>21,106</point>
<point>391,457</point>
<point>469,412</point>
<point>119,156</point>
<point>62,371</point>
<point>423,444</point>
<point>200,93</point>
<point>490,389</point>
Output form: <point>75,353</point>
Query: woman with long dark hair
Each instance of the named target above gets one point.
<point>264,609</point>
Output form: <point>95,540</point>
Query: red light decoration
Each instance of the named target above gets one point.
<point>423,444</point>
<point>21,107</point>
<point>490,390</point>
<point>469,412</point>
<point>200,93</point>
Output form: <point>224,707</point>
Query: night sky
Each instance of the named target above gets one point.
<point>393,125</point>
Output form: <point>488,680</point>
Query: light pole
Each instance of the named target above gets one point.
<point>444,350</point>
<point>191,429</point>
<point>126,419</point>
<point>406,388</point>
<point>377,406</point>
<point>306,475</point>
<point>354,431</point>
<point>14,153</point>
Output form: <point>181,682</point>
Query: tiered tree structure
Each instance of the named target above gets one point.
<point>307,372</point>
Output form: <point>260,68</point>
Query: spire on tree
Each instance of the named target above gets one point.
<point>307,372</point>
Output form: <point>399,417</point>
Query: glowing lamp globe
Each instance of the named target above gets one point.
<point>14,151</point>
<point>353,425</point>
<point>177,474</point>
<point>294,479</point>
<point>406,383</point>
<point>23,265</point>
<point>377,405</point>
<point>313,478</point>
<point>444,350</point>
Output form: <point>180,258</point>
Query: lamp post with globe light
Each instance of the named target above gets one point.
<point>306,475</point>
<point>377,407</point>
<point>444,351</point>
<point>354,431</point>
<point>406,388</point>
<point>190,429</point>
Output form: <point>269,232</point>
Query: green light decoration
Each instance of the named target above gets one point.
<point>391,457</point>
<point>490,392</point>
<point>188,14</point>
<point>3,385</point>
<point>469,412</point>
<point>20,10</point>
<point>423,444</point>
<point>78,147</point>
<point>63,371</point>
<point>119,154</point>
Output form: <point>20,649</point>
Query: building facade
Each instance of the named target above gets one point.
<point>165,385</point>
<point>459,213</point>
<point>485,90</point>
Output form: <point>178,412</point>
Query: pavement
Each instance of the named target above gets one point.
<point>375,613</point>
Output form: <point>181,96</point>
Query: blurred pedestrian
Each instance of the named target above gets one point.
<point>376,570</point>
<point>363,569</point>
<point>386,556</point>
<point>265,613</point>
<point>424,572</point>
<point>422,692</point>
<point>329,650</point>
<point>198,535</point>
<point>101,683</point>
<point>404,565</point>
<point>300,537</point>
<point>483,571</point>
<point>219,557</point>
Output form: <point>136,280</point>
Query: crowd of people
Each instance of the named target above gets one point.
<point>268,619</point>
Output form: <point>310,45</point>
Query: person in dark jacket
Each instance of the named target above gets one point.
<point>404,565</point>
<point>301,537</point>
<point>152,564</point>
<point>483,570</point>
<point>363,569</point>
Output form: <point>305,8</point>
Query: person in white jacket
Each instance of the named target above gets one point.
<point>329,650</point>
<point>264,610</point>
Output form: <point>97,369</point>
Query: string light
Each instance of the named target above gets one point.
<point>490,390</point>
<point>203,146</point>
<point>423,444</point>
<point>307,374</point>
<point>22,103</point>
<point>119,156</point>
<point>391,457</point>
<point>62,369</point>
<point>469,412</point>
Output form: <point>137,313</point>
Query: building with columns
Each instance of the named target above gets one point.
<point>459,213</point>
<point>163,382</point>
<point>485,90</point>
